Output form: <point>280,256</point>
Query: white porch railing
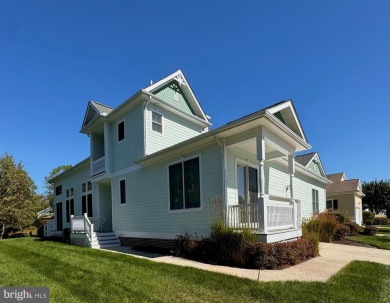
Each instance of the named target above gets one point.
<point>98,166</point>
<point>82,224</point>
<point>243,216</point>
<point>279,213</point>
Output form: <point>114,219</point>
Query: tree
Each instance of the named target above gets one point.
<point>49,187</point>
<point>377,193</point>
<point>18,200</point>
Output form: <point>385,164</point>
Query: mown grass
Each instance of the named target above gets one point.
<point>383,230</point>
<point>76,274</point>
<point>382,242</point>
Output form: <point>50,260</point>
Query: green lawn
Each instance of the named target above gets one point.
<point>383,230</point>
<point>382,242</point>
<point>76,274</point>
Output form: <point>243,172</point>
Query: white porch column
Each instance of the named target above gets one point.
<point>262,199</point>
<point>291,170</point>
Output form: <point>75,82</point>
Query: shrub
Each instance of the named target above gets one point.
<point>325,225</point>
<point>353,227</point>
<point>368,222</point>
<point>313,236</point>
<point>370,230</point>
<point>342,231</point>
<point>381,221</point>
<point>341,217</point>
<point>276,255</point>
<point>367,215</point>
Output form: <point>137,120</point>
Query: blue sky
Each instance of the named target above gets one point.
<point>332,58</point>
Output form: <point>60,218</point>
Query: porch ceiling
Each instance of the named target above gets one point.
<point>250,146</point>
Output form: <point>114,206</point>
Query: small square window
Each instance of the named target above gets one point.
<point>67,193</point>
<point>89,185</point>
<point>157,122</point>
<point>121,131</point>
<point>83,187</point>
<point>59,190</point>
<point>71,192</point>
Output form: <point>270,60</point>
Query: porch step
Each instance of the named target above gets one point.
<point>105,240</point>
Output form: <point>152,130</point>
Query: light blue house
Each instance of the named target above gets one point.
<point>157,170</point>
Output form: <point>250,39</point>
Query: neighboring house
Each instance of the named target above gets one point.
<point>345,196</point>
<point>156,170</point>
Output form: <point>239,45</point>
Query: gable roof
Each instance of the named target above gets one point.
<point>180,79</point>
<point>95,110</point>
<point>340,185</point>
<point>311,162</point>
<point>286,113</point>
<point>338,177</point>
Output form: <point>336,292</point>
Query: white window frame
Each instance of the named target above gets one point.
<point>240,161</point>
<point>317,202</point>
<point>151,121</point>
<point>119,185</point>
<point>86,193</point>
<point>332,203</point>
<point>182,160</point>
<point>69,197</point>
<point>124,131</point>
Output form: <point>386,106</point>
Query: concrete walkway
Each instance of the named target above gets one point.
<point>333,258</point>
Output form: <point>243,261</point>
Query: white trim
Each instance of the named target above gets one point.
<point>156,111</point>
<point>245,163</point>
<point>106,147</point>
<point>124,131</point>
<point>182,160</point>
<point>119,184</point>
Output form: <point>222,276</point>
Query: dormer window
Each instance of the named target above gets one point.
<point>121,131</point>
<point>157,122</point>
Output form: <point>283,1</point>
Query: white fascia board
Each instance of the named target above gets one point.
<point>161,103</point>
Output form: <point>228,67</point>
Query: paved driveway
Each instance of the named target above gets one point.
<point>332,258</point>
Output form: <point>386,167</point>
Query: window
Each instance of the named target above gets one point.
<point>121,131</point>
<point>69,204</point>
<point>122,189</point>
<point>332,204</point>
<point>247,185</point>
<point>59,190</point>
<point>314,194</point>
<point>184,185</point>
<point>86,199</point>
<point>157,122</point>
<point>59,215</point>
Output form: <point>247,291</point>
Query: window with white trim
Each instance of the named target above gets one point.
<point>122,191</point>
<point>315,201</point>
<point>69,203</point>
<point>332,204</point>
<point>86,199</point>
<point>184,184</point>
<point>157,122</point>
<point>247,185</point>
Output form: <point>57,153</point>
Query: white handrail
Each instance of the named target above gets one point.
<point>88,226</point>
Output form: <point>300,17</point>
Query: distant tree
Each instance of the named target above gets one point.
<point>377,197</point>
<point>18,200</point>
<point>49,187</point>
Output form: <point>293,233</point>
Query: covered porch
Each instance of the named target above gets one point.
<point>257,196</point>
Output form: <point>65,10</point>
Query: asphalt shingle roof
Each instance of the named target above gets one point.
<point>339,186</point>
<point>304,159</point>
<point>102,108</point>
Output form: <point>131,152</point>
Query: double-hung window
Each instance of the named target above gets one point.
<point>247,185</point>
<point>332,204</point>
<point>314,194</point>
<point>86,199</point>
<point>69,204</point>
<point>184,184</point>
<point>157,122</point>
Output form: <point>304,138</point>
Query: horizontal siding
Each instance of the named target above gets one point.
<point>75,179</point>
<point>147,208</point>
<point>175,130</point>
<point>167,94</point>
<point>125,152</point>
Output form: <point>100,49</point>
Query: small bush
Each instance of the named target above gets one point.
<point>370,230</point>
<point>340,216</point>
<point>368,222</point>
<point>353,227</point>
<point>381,221</point>
<point>342,231</point>
<point>325,225</point>
<point>312,236</point>
<point>367,215</point>
<point>276,255</point>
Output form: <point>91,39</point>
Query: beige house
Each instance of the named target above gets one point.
<point>345,196</point>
